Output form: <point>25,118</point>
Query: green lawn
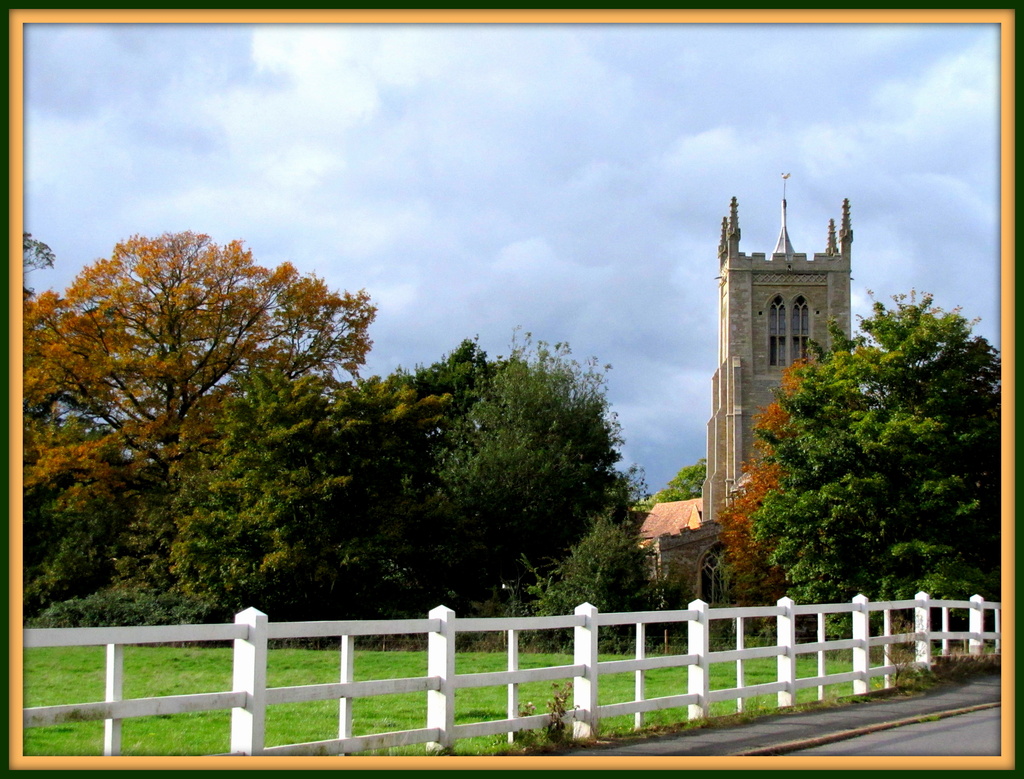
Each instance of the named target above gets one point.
<point>76,675</point>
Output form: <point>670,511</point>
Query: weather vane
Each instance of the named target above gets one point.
<point>784,177</point>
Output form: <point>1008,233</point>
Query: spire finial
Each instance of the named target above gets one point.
<point>783,246</point>
<point>831,249</point>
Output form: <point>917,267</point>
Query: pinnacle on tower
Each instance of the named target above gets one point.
<point>845,231</point>
<point>730,232</point>
<point>831,249</point>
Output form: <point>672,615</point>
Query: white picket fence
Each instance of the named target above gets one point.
<point>249,697</point>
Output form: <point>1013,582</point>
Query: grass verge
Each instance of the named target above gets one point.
<point>76,675</point>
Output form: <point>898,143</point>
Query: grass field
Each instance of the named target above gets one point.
<point>76,675</point>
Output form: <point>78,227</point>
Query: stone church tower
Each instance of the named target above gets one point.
<point>768,308</point>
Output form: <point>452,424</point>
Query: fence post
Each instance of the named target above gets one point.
<point>785,639</point>
<point>697,643</point>
<point>741,642</point>
<point>822,665</point>
<point>997,615</point>
<point>945,629</point>
<point>584,690</point>
<point>861,650</point>
<point>887,648</point>
<point>639,676</point>
<point>115,681</point>
<point>249,675</point>
<point>513,688</point>
<point>441,663</point>
<point>923,628</point>
<point>976,625</point>
<point>347,674</point>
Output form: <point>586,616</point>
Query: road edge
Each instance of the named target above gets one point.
<point>843,735</point>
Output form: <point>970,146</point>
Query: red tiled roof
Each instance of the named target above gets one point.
<point>672,518</point>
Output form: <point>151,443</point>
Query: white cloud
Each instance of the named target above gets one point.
<point>961,87</point>
<point>693,151</point>
<point>526,259</point>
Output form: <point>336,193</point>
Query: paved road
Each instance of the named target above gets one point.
<point>787,731</point>
<point>971,734</point>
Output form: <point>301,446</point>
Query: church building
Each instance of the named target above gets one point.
<point>769,307</point>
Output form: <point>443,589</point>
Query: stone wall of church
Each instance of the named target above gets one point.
<point>680,556</point>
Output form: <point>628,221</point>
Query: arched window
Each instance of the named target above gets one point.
<point>777,332</point>
<point>800,329</point>
<point>714,580</point>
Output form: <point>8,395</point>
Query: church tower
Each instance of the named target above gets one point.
<point>769,306</point>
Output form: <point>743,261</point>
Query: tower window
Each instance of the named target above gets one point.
<point>777,332</point>
<point>800,329</point>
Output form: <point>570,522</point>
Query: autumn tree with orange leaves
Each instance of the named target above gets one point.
<point>754,579</point>
<point>124,371</point>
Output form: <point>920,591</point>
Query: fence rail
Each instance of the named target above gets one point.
<point>250,696</point>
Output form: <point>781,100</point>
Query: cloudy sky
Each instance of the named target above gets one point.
<point>566,179</point>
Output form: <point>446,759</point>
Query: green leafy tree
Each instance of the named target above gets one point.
<point>608,568</point>
<point>685,485</point>
<point>463,378</point>
<point>535,459</point>
<point>463,374</point>
<point>890,462</point>
<point>315,503</point>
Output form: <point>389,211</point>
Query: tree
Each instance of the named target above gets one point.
<point>685,485</point>
<point>125,372</point>
<point>35,255</point>
<point>890,462</point>
<point>463,374</point>
<point>608,568</point>
<point>143,344</point>
<point>753,579</point>
<point>534,461</point>
<point>74,520</point>
<point>316,502</point>
<point>462,377</point>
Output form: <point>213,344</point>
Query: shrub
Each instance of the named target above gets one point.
<point>125,608</point>
<point>607,568</point>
